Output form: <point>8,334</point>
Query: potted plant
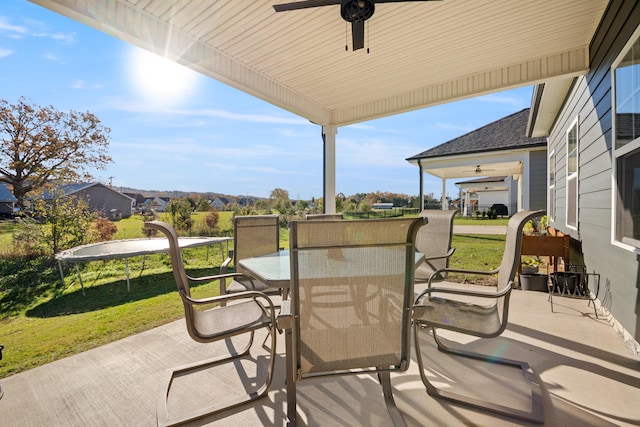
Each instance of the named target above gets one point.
<point>530,279</point>
<point>530,265</point>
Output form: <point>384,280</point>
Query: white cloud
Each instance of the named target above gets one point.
<point>253,118</point>
<point>18,31</point>
<point>373,153</point>
<point>67,38</point>
<point>5,52</point>
<point>51,57</point>
<point>133,107</point>
<point>6,26</point>
<point>361,126</point>
<point>82,85</point>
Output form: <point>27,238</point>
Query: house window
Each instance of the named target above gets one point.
<point>551,203</point>
<point>626,103</point>
<point>572,176</point>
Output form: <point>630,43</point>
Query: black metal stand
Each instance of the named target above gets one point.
<point>575,284</point>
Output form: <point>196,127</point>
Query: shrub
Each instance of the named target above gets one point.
<point>212,218</point>
<point>101,229</point>
<point>65,221</point>
<point>180,210</point>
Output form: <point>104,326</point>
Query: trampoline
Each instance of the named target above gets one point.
<point>127,248</point>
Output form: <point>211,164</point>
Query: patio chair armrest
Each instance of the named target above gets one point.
<point>458,270</point>
<point>214,277</point>
<point>285,317</point>
<point>453,291</point>
<point>447,255</point>
<point>225,264</point>
<point>230,297</point>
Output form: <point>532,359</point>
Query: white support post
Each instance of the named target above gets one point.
<point>444,194</point>
<point>421,195</point>
<point>329,156</point>
<point>466,203</point>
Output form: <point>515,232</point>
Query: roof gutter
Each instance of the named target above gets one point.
<point>536,99</point>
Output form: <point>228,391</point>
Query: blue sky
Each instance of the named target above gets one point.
<point>183,131</point>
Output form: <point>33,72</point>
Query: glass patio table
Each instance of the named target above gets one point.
<point>274,269</point>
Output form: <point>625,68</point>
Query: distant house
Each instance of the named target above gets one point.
<point>7,201</point>
<point>382,205</point>
<point>483,194</point>
<point>245,201</point>
<point>499,149</point>
<point>138,200</point>
<point>157,203</point>
<point>219,202</point>
<point>101,198</point>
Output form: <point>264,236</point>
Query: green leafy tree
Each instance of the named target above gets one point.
<point>364,206</point>
<point>41,144</point>
<point>180,210</point>
<point>340,202</point>
<point>65,221</point>
<point>261,205</point>
<point>280,200</point>
<point>203,206</point>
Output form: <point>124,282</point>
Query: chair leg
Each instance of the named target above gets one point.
<point>162,408</point>
<point>396,416</point>
<point>535,415</point>
<point>290,364</point>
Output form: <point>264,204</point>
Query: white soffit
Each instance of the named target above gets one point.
<point>421,53</point>
<point>547,101</point>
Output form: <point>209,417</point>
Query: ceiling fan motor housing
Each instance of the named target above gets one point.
<point>357,10</point>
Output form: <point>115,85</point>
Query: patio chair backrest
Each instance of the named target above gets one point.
<point>351,293</point>
<point>513,246</point>
<point>179,273</point>
<point>434,240</point>
<point>334,217</point>
<point>254,235</point>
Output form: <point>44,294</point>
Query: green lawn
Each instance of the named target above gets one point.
<point>42,321</point>
<point>479,221</point>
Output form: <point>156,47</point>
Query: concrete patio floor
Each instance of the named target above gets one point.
<point>588,377</point>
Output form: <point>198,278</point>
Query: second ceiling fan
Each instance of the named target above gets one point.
<point>354,11</point>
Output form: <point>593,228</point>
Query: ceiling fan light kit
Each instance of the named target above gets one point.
<point>353,11</point>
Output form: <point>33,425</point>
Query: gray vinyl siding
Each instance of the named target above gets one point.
<point>103,199</point>
<point>538,180</point>
<point>590,100</point>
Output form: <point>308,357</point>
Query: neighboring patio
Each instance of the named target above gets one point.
<point>588,377</point>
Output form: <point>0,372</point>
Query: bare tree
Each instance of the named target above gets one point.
<point>39,144</point>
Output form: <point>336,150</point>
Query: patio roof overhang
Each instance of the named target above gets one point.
<point>416,54</point>
<point>420,53</point>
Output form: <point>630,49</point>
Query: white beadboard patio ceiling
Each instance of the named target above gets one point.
<point>420,53</point>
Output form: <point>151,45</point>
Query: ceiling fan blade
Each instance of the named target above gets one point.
<point>304,5</point>
<point>400,1</point>
<point>357,31</point>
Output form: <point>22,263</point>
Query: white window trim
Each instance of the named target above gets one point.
<point>619,152</point>
<point>575,175</point>
<point>552,158</point>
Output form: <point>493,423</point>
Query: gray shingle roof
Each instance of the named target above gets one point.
<point>504,134</point>
<point>6,196</point>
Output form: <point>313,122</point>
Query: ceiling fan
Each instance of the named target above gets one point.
<point>478,170</point>
<point>354,11</point>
